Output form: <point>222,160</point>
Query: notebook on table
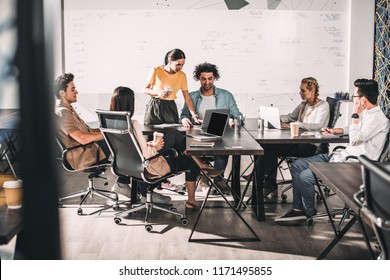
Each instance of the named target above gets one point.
<point>202,144</point>
<point>215,130</point>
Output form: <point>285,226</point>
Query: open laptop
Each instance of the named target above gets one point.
<point>216,128</point>
<point>207,116</point>
<point>271,116</point>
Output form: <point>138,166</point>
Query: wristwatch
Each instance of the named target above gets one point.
<point>355,116</point>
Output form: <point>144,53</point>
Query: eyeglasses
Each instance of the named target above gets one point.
<point>357,96</point>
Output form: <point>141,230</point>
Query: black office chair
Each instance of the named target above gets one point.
<point>93,172</point>
<point>9,151</point>
<point>334,114</point>
<point>373,199</point>
<point>129,161</point>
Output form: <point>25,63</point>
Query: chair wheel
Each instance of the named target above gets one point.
<point>174,209</point>
<point>115,207</point>
<point>117,220</point>
<point>283,196</point>
<point>184,221</point>
<point>79,211</point>
<point>148,228</point>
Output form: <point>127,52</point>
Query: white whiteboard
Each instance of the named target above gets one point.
<point>262,54</point>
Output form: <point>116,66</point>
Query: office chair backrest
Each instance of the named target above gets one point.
<point>376,182</point>
<point>385,155</point>
<point>62,149</point>
<point>334,111</point>
<point>118,133</point>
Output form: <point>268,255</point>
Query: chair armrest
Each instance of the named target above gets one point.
<point>338,148</point>
<point>351,157</point>
<point>76,147</point>
<point>68,167</point>
<point>165,153</point>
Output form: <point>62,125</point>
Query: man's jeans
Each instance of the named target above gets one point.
<point>303,182</point>
<point>220,163</point>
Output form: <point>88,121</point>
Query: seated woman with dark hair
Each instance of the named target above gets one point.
<point>123,100</point>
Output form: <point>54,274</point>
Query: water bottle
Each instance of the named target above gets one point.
<point>260,122</point>
<point>237,124</point>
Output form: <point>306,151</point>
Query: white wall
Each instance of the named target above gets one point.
<point>359,59</point>
<point>362,41</point>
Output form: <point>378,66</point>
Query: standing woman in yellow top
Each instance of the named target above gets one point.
<point>163,83</point>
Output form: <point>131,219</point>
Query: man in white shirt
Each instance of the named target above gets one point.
<point>367,135</point>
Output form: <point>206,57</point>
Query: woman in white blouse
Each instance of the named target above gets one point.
<point>312,114</point>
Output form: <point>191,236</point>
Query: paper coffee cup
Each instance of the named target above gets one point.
<point>157,136</point>
<point>294,127</point>
<point>13,194</point>
<point>168,89</point>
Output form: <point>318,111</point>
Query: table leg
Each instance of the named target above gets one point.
<point>134,191</point>
<point>257,189</point>
<point>236,165</point>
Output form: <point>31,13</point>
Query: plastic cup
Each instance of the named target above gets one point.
<point>260,125</point>
<point>168,89</point>
<point>157,136</point>
<point>294,127</point>
<point>13,194</point>
<point>237,124</point>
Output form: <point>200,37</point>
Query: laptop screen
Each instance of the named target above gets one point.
<point>207,115</point>
<point>217,123</point>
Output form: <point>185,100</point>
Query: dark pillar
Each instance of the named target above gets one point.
<point>40,237</point>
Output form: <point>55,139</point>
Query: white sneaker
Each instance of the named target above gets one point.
<point>158,198</point>
<point>122,189</point>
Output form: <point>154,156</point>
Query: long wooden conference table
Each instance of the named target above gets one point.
<point>249,133</point>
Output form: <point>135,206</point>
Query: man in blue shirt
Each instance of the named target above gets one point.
<point>211,97</point>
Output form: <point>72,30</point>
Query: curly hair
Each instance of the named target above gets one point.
<point>61,83</point>
<point>205,67</point>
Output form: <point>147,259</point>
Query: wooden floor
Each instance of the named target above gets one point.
<point>96,236</point>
